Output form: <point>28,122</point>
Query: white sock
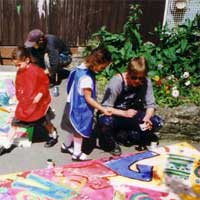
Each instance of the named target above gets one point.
<point>97,142</point>
<point>7,144</point>
<point>53,135</point>
<point>68,140</point>
<point>77,145</point>
<point>82,156</point>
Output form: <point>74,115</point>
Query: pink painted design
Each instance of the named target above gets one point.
<point>96,180</point>
<point>137,193</point>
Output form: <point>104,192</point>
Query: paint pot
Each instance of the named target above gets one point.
<point>50,163</point>
<point>24,143</point>
<point>143,127</point>
<point>55,91</point>
<point>4,99</point>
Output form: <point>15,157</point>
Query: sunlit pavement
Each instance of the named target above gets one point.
<point>35,157</point>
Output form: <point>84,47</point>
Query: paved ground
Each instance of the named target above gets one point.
<point>35,157</point>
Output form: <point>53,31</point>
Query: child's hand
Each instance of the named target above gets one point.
<point>46,71</point>
<point>37,97</point>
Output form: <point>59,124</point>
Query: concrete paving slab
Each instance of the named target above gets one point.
<point>35,157</point>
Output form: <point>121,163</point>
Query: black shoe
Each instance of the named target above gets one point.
<point>116,151</point>
<point>3,150</point>
<point>51,142</point>
<point>141,148</point>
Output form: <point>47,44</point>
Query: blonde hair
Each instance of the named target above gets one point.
<point>137,65</point>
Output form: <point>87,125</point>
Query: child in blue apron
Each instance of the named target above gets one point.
<point>79,110</point>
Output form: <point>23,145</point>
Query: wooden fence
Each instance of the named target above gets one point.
<point>72,20</point>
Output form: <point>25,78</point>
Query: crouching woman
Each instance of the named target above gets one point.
<point>130,94</point>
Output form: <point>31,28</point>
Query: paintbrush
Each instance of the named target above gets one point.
<point>4,109</point>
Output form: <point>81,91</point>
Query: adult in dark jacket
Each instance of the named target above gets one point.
<point>49,51</point>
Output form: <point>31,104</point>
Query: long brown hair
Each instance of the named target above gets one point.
<point>98,56</point>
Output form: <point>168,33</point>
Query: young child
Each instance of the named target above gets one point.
<point>79,110</point>
<point>53,135</point>
<point>32,93</point>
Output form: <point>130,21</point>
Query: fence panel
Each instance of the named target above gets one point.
<point>73,20</point>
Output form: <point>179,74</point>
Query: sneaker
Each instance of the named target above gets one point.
<point>51,142</point>
<point>141,148</point>
<point>65,149</point>
<point>116,151</point>
<point>80,157</point>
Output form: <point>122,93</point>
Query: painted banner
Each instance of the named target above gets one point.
<point>7,107</point>
<point>165,173</point>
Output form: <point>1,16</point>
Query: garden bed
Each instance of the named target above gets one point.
<point>180,123</point>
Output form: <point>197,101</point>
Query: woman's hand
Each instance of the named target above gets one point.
<point>147,117</point>
<point>130,113</point>
<point>148,123</point>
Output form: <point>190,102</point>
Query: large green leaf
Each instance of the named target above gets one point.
<point>170,53</point>
<point>184,44</point>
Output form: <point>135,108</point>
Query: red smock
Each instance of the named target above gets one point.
<point>29,82</point>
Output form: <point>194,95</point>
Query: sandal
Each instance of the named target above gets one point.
<point>80,157</point>
<point>65,149</point>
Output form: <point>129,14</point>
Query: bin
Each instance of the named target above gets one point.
<point>30,133</point>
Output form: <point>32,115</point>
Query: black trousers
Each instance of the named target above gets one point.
<point>111,128</point>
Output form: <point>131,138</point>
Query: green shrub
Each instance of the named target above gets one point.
<point>174,63</point>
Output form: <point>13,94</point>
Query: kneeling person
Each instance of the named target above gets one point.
<point>131,96</point>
